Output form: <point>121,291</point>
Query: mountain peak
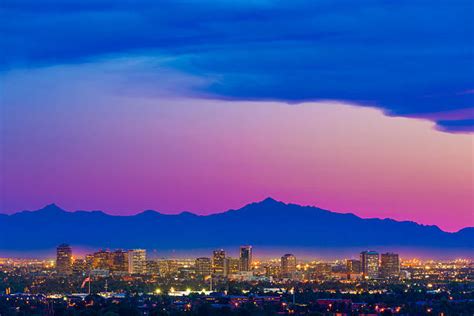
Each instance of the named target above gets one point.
<point>149,214</point>
<point>266,206</point>
<point>269,200</point>
<point>52,209</point>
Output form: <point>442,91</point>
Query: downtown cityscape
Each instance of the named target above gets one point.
<point>129,282</point>
<point>236,157</point>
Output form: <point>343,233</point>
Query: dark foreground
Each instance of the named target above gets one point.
<point>307,302</point>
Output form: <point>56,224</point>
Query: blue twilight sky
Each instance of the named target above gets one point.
<point>410,58</point>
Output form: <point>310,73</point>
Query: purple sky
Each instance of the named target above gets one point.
<point>123,148</point>
<point>365,107</point>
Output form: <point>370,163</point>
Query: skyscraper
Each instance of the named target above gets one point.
<point>231,266</point>
<point>218,258</point>
<point>120,261</point>
<point>137,261</point>
<point>64,259</point>
<point>245,258</point>
<point>203,266</point>
<point>288,265</point>
<point>102,259</point>
<point>390,265</point>
<point>369,261</point>
<point>353,266</point>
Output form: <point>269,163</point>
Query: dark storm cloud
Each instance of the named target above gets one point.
<point>410,58</point>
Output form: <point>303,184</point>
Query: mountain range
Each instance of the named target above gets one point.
<point>268,223</point>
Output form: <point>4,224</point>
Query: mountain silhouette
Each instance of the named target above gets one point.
<point>268,223</point>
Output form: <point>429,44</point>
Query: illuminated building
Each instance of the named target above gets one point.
<point>245,258</point>
<point>218,261</point>
<point>64,259</point>
<point>353,266</point>
<point>137,261</point>
<point>79,266</point>
<point>288,265</point>
<point>353,269</point>
<point>186,273</point>
<point>119,261</point>
<point>389,265</point>
<point>369,262</point>
<point>168,267</point>
<point>322,270</point>
<point>153,267</point>
<point>102,260</point>
<point>203,266</point>
<point>231,266</point>
<point>272,270</point>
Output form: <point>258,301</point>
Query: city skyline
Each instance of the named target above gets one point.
<point>216,257</point>
<point>236,157</point>
<point>286,285</point>
<point>218,264</point>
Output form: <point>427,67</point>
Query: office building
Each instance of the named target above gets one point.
<point>203,266</point>
<point>231,266</point>
<point>64,259</point>
<point>288,265</point>
<point>137,261</point>
<point>119,262</point>
<point>245,258</point>
<point>102,260</point>
<point>353,266</point>
<point>218,261</point>
<point>389,265</point>
<point>369,262</point>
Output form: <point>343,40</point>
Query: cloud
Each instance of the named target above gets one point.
<point>409,58</point>
<point>457,125</point>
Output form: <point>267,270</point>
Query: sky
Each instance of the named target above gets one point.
<point>355,106</point>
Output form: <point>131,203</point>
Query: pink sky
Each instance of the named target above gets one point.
<point>124,153</point>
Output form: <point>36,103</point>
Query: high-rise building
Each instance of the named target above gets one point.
<point>102,260</point>
<point>203,266</point>
<point>369,262</point>
<point>353,266</point>
<point>231,266</point>
<point>389,265</point>
<point>288,265</point>
<point>245,258</point>
<point>64,259</point>
<point>218,258</point>
<point>137,261</point>
<point>120,261</point>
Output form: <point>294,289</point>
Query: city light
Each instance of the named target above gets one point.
<point>366,273</point>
